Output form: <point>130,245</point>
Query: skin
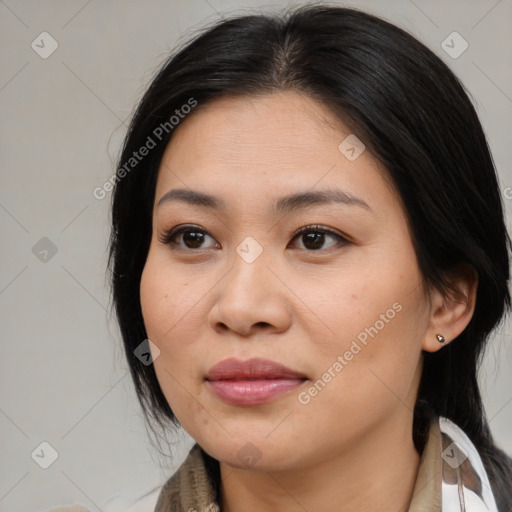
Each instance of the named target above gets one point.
<point>295,305</point>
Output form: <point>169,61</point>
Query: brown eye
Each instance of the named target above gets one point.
<point>313,238</point>
<point>192,237</point>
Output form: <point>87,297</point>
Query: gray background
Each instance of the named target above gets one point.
<point>64,379</point>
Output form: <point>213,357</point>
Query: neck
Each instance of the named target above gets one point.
<point>377,473</point>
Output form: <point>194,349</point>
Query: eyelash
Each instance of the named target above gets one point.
<point>315,228</point>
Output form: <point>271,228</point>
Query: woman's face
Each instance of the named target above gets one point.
<point>345,309</point>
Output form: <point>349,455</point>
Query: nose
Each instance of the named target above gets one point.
<point>251,298</point>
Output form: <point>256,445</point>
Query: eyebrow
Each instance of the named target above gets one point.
<point>282,205</point>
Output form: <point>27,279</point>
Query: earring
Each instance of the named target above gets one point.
<point>440,338</point>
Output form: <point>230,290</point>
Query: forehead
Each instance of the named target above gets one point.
<point>251,146</point>
<point>271,121</point>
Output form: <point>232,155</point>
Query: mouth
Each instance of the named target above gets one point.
<point>252,382</point>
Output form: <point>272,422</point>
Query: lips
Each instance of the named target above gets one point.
<point>252,369</point>
<point>252,382</point>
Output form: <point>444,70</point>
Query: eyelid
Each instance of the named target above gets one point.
<point>300,228</point>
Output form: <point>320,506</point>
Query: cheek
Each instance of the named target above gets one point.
<point>171,310</point>
<point>390,343</point>
<point>161,311</point>
<point>376,323</point>
<point>155,303</point>
<point>167,298</point>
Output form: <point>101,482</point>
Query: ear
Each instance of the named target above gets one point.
<point>451,312</point>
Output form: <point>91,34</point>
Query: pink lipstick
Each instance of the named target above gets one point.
<point>252,382</point>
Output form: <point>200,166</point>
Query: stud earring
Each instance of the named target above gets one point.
<point>440,338</point>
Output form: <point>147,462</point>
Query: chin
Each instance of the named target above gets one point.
<point>252,454</point>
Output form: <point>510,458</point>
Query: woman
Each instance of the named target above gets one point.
<point>308,256</point>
